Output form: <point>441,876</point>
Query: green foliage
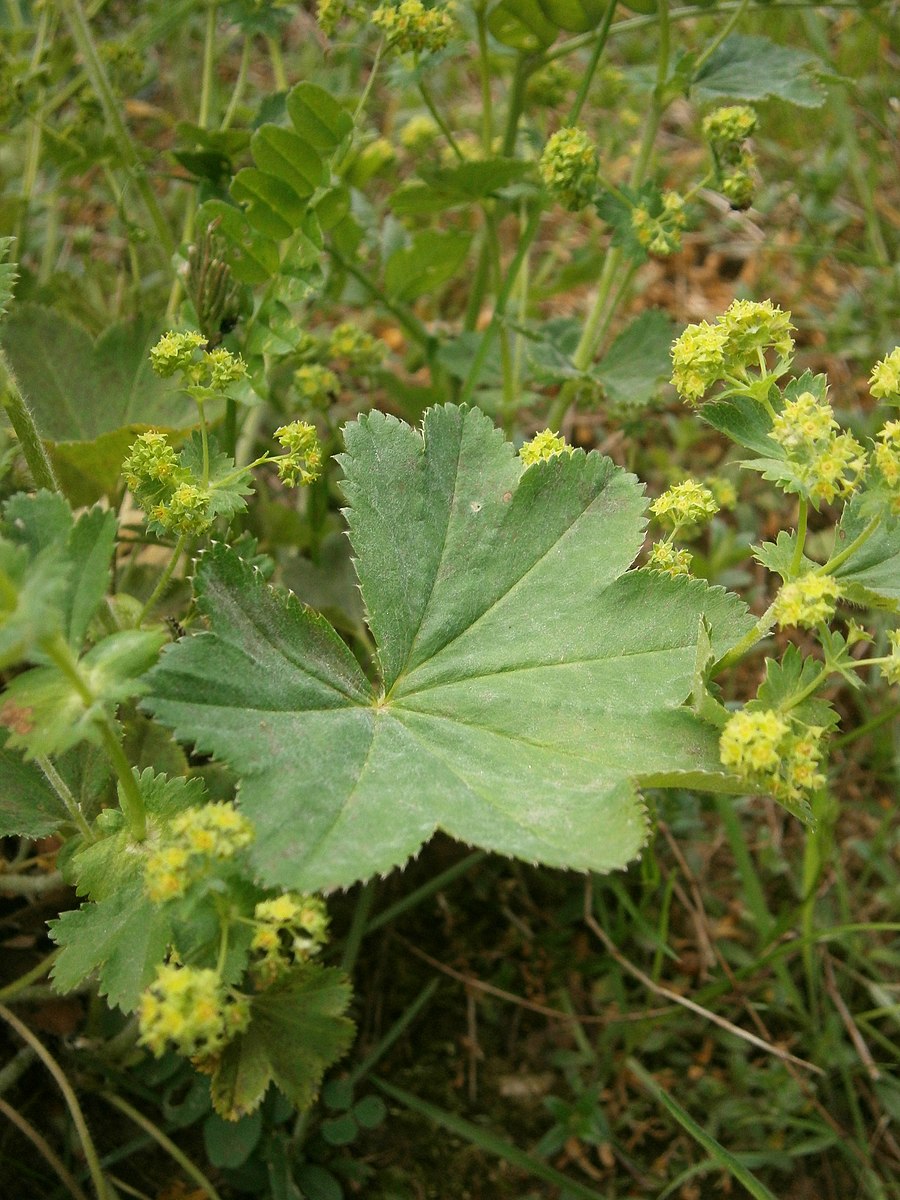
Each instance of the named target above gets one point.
<point>496,598</point>
<point>755,68</point>
<point>297,1028</point>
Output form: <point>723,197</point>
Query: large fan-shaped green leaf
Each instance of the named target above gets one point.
<point>527,679</point>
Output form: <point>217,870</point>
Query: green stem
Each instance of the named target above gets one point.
<point>410,323</point>
<point>60,653</point>
<point>442,124</point>
<point>163,581</point>
<point>364,98</point>
<point>596,55</point>
<point>238,90</point>
<point>209,60</point>
<point>206,88</point>
<point>33,143</point>
<point>802,518</point>
<point>838,559</point>
<point>886,715</point>
<point>436,884</point>
<point>747,642</point>
<point>177,1155</point>
<point>524,243</point>
<point>22,421</point>
<point>96,73</point>
<point>399,1027</point>
<point>357,929</point>
<point>524,68</point>
<point>277,60</point>
<point>720,37</point>
<point>11,990</point>
<point>487,112</point>
<point>62,790</point>
<point>130,798</point>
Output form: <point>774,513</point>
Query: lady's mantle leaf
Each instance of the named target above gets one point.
<point>527,681</point>
<point>297,1029</point>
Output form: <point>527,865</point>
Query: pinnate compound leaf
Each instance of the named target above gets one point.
<point>527,680</point>
<point>297,1029</point>
<point>123,937</point>
<point>747,67</point>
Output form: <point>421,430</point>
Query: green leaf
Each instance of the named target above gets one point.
<point>742,419</point>
<point>638,360</point>
<point>230,1143</point>
<point>429,261</point>
<point>90,398</point>
<point>522,25</point>
<point>318,118</point>
<point>778,556</point>
<point>48,715</point>
<point>229,487</point>
<point>43,522</point>
<point>9,273</point>
<point>287,156</point>
<point>29,807</point>
<point>297,1029</point>
<point>272,206</point>
<point>124,937</point>
<point>447,187</point>
<point>747,67</point>
<point>105,867</point>
<point>252,258</point>
<point>872,574</point>
<point>526,679</point>
<point>787,679</point>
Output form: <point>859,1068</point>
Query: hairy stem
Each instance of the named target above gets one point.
<point>22,421</point>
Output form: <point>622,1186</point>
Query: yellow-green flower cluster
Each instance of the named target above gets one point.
<point>773,754</point>
<point>290,929</point>
<point>726,130</point>
<point>707,353</point>
<point>316,384</point>
<point>359,348</point>
<point>194,841</point>
<point>411,26</point>
<point>660,234</point>
<point>668,560</point>
<point>886,456</point>
<point>544,446</point>
<point>826,463</point>
<point>165,490</point>
<point>189,1010</point>
<point>419,132</point>
<point>302,464</point>
<point>723,490</point>
<point>549,87</point>
<point>698,359</point>
<point>150,460</point>
<point>684,505</point>
<point>213,371</point>
<point>568,167</point>
<point>806,602</point>
<point>884,382</point>
<point>729,125</point>
<point>891,669</point>
<point>330,13</point>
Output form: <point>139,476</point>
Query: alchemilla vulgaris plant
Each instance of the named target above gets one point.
<point>302,560</point>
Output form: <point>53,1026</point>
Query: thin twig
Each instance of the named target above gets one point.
<point>668,994</point>
<point>555,1013</point>
<point>84,1134</point>
<point>43,1147</point>
<point>846,1016</point>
